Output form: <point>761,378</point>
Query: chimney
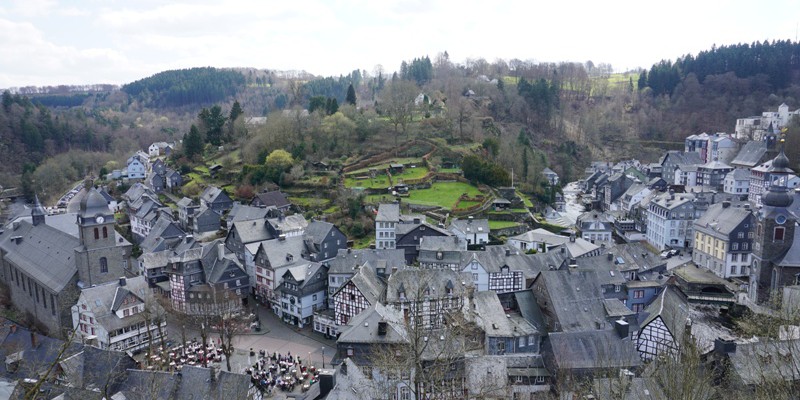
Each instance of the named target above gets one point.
<point>122,281</point>
<point>622,327</point>
<point>610,256</point>
<point>508,252</point>
<point>220,251</point>
<point>327,380</point>
<point>726,204</point>
<point>282,237</point>
<point>572,238</point>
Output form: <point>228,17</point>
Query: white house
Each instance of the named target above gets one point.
<point>386,220</point>
<point>474,231</point>
<point>737,182</point>
<point>137,167</point>
<point>159,148</point>
<point>120,315</point>
<point>669,220</point>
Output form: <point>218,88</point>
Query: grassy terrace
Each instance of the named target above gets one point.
<point>310,202</point>
<point>501,224</point>
<point>442,194</point>
<point>383,166</point>
<point>379,182</point>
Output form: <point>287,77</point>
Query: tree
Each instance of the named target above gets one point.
<point>233,119</point>
<point>351,95</point>
<point>213,120</point>
<point>192,143</point>
<point>399,104</point>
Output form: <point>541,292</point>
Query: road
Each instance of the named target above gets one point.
<point>572,210</point>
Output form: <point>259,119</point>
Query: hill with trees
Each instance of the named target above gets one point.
<point>186,86</point>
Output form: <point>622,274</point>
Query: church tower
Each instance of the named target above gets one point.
<point>38,213</point>
<point>774,232</point>
<point>101,256</point>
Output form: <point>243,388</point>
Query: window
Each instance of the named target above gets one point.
<point>744,246</point>
<point>734,246</point>
<point>350,352</point>
<point>617,288</point>
<point>733,269</point>
<point>778,234</point>
<point>735,257</point>
<point>314,297</point>
<point>103,265</point>
<point>475,277</point>
<point>105,232</point>
<point>539,379</point>
<point>638,294</point>
<point>740,235</point>
<point>522,341</point>
<point>501,347</point>
<point>96,234</point>
<point>126,312</point>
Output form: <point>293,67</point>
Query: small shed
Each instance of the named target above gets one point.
<point>396,168</point>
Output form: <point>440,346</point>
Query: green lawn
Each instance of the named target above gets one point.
<point>501,224</point>
<point>411,173</point>
<point>442,194</point>
<point>202,169</point>
<point>195,177</point>
<point>467,204</point>
<point>450,170</point>
<point>384,165</point>
<point>379,182</point>
<point>379,198</point>
<point>525,199</point>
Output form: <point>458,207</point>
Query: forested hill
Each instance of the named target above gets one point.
<point>186,86</point>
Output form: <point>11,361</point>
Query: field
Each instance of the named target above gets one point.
<point>501,224</point>
<point>384,165</point>
<point>379,182</point>
<point>442,194</point>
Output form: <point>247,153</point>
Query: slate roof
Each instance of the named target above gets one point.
<point>635,388</point>
<point>317,231</point>
<point>542,236</point>
<point>348,260</point>
<point>580,247</point>
<point>213,194</point>
<point>663,200</point>
<point>274,198</point>
<point>592,349</point>
<point>413,283</point>
<point>679,157</point>
<point>241,212</point>
<point>369,284</point>
<point>32,359</point>
<point>164,228</point>
<point>751,154</point>
<point>575,299</point>
<point>470,226</point>
<point>739,174</point>
<point>388,212</point>
<point>277,250</point>
<point>43,252</point>
<point>492,318</point>
<point>615,308</point>
<point>205,383</point>
<point>290,223</point>
<point>762,362</point>
<point>442,243</point>
<point>214,268</point>
<point>404,229</point>
<point>672,307</point>
<point>635,256</point>
<point>93,368</point>
<point>184,202</point>
<point>721,220</point>
<point>792,256</point>
<point>103,300</point>
<point>252,231</point>
<point>363,328</point>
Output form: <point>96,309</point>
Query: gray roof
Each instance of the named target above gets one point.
<point>363,328</point>
<point>184,202</point>
<point>751,154</point>
<point>615,308</point>
<point>739,174</point>
<point>679,199</point>
<point>593,349</point>
<point>792,256</point>
<point>206,383</point>
<point>493,319</point>
<point>212,193</point>
<point>283,251</point>
<point>634,388</point>
<point>442,243</point>
<point>767,361</point>
<point>103,300</point>
<point>388,212</point>
<point>722,220</point>
<point>369,284</point>
<point>252,231</point>
<point>274,198</point>
<point>413,282</point>
<point>470,226</point>
<point>575,299</point>
<point>294,222</point>
<point>214,267</point>
<point>679,157</point>
<point>43,252</point>
<point>715,164</point>
<point>95,368</point>
<point>672,307</point>
<point>317,231</point>
<point>542,236</point>
<point>241,212</point>
<point>164,228</point>
<point>348,260</point>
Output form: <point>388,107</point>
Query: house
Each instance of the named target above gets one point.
<point>505,332</point>
<point>633,196</point>
<point>427,296</point>
<point>302,291</point>
<point>324,240</point>
<point>205,220</point>
<point>143,209</point>
<point>274,198</point>
<point>613,188</point>
<point>751,154</point>
<point>113,205</point>
<point>158,167</point>
<point>685,175</point>
<point>362,291</point>
<point>737,182</point>
<point>347,262</point>
<point>160,149</point>
<point>560,294</point>
<point>45,266</point>
<point>385,222</point>
<point>672,159</point>
<point>153,265</point>
<point>750,367</point>
<point>164,232</point>
<point>186,211</point>
<point>408,237</point>
<point>669,220</point>
<point>500,269</point>
<point>120,315</point>
<point>207,279</point>
<point>588,353</point>
<point>216,199</point>
<point>712,174</point>
<point>550,176</point>
<point>537,240</point>
<point>662,331</point>
<point>137,167</point>
<point>474,231</point>
<point>156,182</point>
<point>595,227</point>
<point>173,178</point>
<point>723,240</point>
<point>378,325</point>
<point>441,252</point>
<point>270,260</point>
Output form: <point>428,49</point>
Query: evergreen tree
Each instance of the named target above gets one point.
<point>192,143</point>
<point>351,95</point>
<point>213,121</point>
<point>642,80</point>
<point>236,111</point>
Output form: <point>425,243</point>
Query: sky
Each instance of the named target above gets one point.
<point>51,42</point>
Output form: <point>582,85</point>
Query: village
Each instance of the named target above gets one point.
<point>597,293</point>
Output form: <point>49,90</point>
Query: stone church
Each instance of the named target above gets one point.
<point>45,261</point>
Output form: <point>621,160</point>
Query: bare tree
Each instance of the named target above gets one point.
<point>398,100</point>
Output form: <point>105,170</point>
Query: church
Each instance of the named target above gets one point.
<point>45,261</point>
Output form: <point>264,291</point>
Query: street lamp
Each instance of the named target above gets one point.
<point>323,356</point>
<point>309,360</point>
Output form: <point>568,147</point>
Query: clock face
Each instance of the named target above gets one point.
<point>781,219</point>
<point>100,219</point>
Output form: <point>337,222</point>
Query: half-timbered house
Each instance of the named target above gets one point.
<point>363,290</point>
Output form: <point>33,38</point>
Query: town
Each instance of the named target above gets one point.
<point>641,280</point>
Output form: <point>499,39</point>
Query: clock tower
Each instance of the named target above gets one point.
<point>774,233</point>
<point>103,254</point>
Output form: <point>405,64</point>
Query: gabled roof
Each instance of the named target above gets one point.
<point>541,236</point>
<point>241,212</point>
<point>214,266</point>
<point>251,231</point>
<point>164,228</point>
<point>347,261</point>
<point>368,283</point>
<point>470,226</point>
<point>678,157</point>
<point>213,194</point>
<point>672,307</point>
<point>283,251</point>
<point>104,300</point>
<point>388,212</point>
<point>768,361</point>
<point>739,174</point>
<point>415,282</point>
<point>722,220</point>
<point>751,154</point>
<point>363,328</point>
<point>290,223</point>
<point>575,299</point>
<point>184,202</point>
<point>274,198</point>
<point>317,231</point>
<point>94,368</point>
<point>592,349</point>
<point>493,319</point>
<point>792,256</point>
<point>43,252</point>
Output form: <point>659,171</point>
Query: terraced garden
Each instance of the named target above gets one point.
<point>442,194</point>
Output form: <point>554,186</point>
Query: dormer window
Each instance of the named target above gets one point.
<point>439,255</point>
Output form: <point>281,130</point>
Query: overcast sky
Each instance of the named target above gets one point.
<point>49,42</point>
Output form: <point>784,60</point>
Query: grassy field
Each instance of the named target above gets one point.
<point>310,202</point>
<point>450,170</point>
<point>525,199</point>
<point>411,173</point>
<point>379,182</point>
<point>384,165</point>
<point>442,194</point>
<point>501,224</point>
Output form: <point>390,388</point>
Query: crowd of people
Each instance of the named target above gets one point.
<point>281,371</point>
